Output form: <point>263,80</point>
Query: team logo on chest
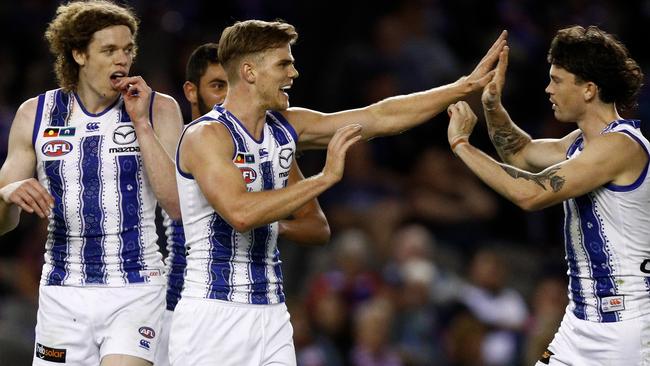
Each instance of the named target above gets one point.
<point>249,175</point>
<point>92,126</point>
<point>56,148</point>
<point>286,157</point>
<point>124,135</point>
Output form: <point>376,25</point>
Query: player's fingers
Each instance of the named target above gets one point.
<point>502,66</point>
<point>46,196</point>
<point>31,206</point>
<point>39,200</point>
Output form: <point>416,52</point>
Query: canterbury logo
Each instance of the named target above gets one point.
<point>124,135</point>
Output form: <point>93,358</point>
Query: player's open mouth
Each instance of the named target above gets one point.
<point>117,76</point>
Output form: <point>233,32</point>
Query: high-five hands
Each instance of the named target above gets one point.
<point>461,123</point>
<point>491,97</point>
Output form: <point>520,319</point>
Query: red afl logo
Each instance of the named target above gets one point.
<point>147,332</point>
<point>249,175</point>
<point>56,148</point>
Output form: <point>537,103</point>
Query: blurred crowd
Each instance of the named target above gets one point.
<point>426,266</point>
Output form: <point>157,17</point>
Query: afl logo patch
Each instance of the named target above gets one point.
<point>147,332</point>
<point>124,135</point>
<point>56,148</point>
<point>249,175</point>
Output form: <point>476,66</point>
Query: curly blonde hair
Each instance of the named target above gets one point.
<point>73,28</point>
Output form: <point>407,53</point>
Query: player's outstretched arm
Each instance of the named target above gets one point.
<point>308,224</point>
<point>206,152</point>
<point>396,114</point>
<point>157,142</point>
<point>514,145</point>
<point>18,188</point>
<point>611,158</point>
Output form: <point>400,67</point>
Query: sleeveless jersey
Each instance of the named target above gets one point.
<point>175,262</point>
<point>222,263</point>
<point>101,231</point>
<point>607,242</point>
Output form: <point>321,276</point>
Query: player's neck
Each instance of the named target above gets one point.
<point>93,100</point>
<point>252,115</point>
<point>596,118</point>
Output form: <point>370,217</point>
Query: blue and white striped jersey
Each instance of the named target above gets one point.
<point>101,231</point>
<point>607,242</point>
<point>222,263</point>
<point>175,262</point>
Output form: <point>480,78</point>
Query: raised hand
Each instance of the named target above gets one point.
<point>461,122</point>
<point>491,97</point>
<point>338,146</point>
<point>137,97</point>
<point>29,195</point>
<point>483,72</point>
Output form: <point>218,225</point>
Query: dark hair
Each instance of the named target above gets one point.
<point>595,55</point>
<point>252,36</point>
<point>73,29</point>
<point>202,57</point>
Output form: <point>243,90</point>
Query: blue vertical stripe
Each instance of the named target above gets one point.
<point>280,118</point>
<point>178,263</point>
<point>59,114</point>
<point>239,140</point>
<point>221,256</point>
<point>278,274</point>
<point>598,258</point>
<point>124,115</point>
<point>259,277</point>
<point>574,272</point>
<point>131,251</point>
<point>278,133</point>
<point>59,235</point>
<point>92,212</point>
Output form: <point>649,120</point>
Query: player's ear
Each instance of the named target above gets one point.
<point>191,92</point>
<point>590,91</point>
<point>79,57</point>
<point>247,72</point>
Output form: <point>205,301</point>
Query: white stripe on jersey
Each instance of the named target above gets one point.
<point>607,239</point>
<point>222,263</point>
<point>101,231</point>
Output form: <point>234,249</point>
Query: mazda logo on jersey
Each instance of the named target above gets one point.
<point>124,135</point>
<point>286,157</point>
<point>56,148</point>
<point>249,175</point>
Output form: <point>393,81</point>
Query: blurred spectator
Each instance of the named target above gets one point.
<point>372,325</point>
<point>501,308</point>
<point>548,304</point>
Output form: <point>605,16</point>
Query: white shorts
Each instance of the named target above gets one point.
<point>81,325</point>
<point>213,332</point>
<point>585,343</point>
<point>162,351</point>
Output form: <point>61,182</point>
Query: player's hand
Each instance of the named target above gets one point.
<point>491,97</point>
<point>29,195</point>
<point>483,73</point>
<point>137,98</point>
<point>461,121</point>
<point>343,138</point>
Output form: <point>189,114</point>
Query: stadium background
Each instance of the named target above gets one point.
<point>426,266</point>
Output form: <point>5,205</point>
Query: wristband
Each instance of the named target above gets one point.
<point>460,140</point>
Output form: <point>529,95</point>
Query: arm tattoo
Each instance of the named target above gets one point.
<point>555,181</point>
<point>508,141</point>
